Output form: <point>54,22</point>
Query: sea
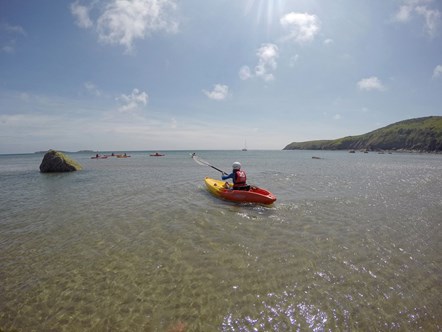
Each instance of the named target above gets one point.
<point>353,243</point>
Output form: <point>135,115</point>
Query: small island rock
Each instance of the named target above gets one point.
<point>55,161</point>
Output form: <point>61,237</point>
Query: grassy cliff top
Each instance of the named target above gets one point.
<point>420,134</point>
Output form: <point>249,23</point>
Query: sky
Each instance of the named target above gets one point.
<point>131,75</point>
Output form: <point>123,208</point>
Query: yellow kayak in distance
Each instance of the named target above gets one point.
<point>224,190</point>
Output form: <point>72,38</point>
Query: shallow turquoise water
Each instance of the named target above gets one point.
<point>352,243</point>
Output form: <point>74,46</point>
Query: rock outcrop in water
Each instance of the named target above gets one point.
<point>420,134</point>
<point>54,161</point>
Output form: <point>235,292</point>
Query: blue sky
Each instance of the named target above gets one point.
<point>169,74</point>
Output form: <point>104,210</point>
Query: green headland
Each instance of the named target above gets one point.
<point>420,134</point>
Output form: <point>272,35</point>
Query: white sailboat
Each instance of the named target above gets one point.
<point>245,146</point>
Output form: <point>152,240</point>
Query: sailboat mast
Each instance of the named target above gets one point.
<point>245,146</point>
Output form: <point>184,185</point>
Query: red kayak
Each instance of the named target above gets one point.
<point>156,154</point>
<point>253,195</point>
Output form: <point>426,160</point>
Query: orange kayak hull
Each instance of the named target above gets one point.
<point>254,195</point>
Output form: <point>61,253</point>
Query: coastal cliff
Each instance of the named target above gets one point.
<point>420,134</point>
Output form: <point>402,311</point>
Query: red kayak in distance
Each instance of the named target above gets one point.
<point>156,154</point>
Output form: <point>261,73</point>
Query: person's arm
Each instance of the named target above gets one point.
<point>225,177</point>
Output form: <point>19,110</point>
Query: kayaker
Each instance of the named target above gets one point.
<point>238,176</point>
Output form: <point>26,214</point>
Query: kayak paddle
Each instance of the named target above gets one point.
<point>200,161</point>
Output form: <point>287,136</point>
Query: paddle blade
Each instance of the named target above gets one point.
<point>201,161</point>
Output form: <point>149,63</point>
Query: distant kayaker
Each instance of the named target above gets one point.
<point>238,176</point>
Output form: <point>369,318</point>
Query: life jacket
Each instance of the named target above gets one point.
<point>239,179</point>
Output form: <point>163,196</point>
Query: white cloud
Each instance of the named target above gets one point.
<point>371,83</point>
<point>245,73</point>
<point>364,110</point>
<point>173,123</point>
<point>133,101</point>
<point>92,89</point>
<point>267,55</point>
<point>8,49</point>
<point>219,92</point>
<point>81,13</point>
<point>13,29</point>
<point>411,8</point>
<point>432,19</point>
<point>9,34</point>
<point>437,72</point>
<point>302,27</point>
<point>337,116</point>
<point>328,41</point>
<point>121,22</point>
<point>124,21</point>
<point>293,60</point>
<point>404,13</point>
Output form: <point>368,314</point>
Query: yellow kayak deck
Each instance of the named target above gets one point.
<point>224,190</point>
